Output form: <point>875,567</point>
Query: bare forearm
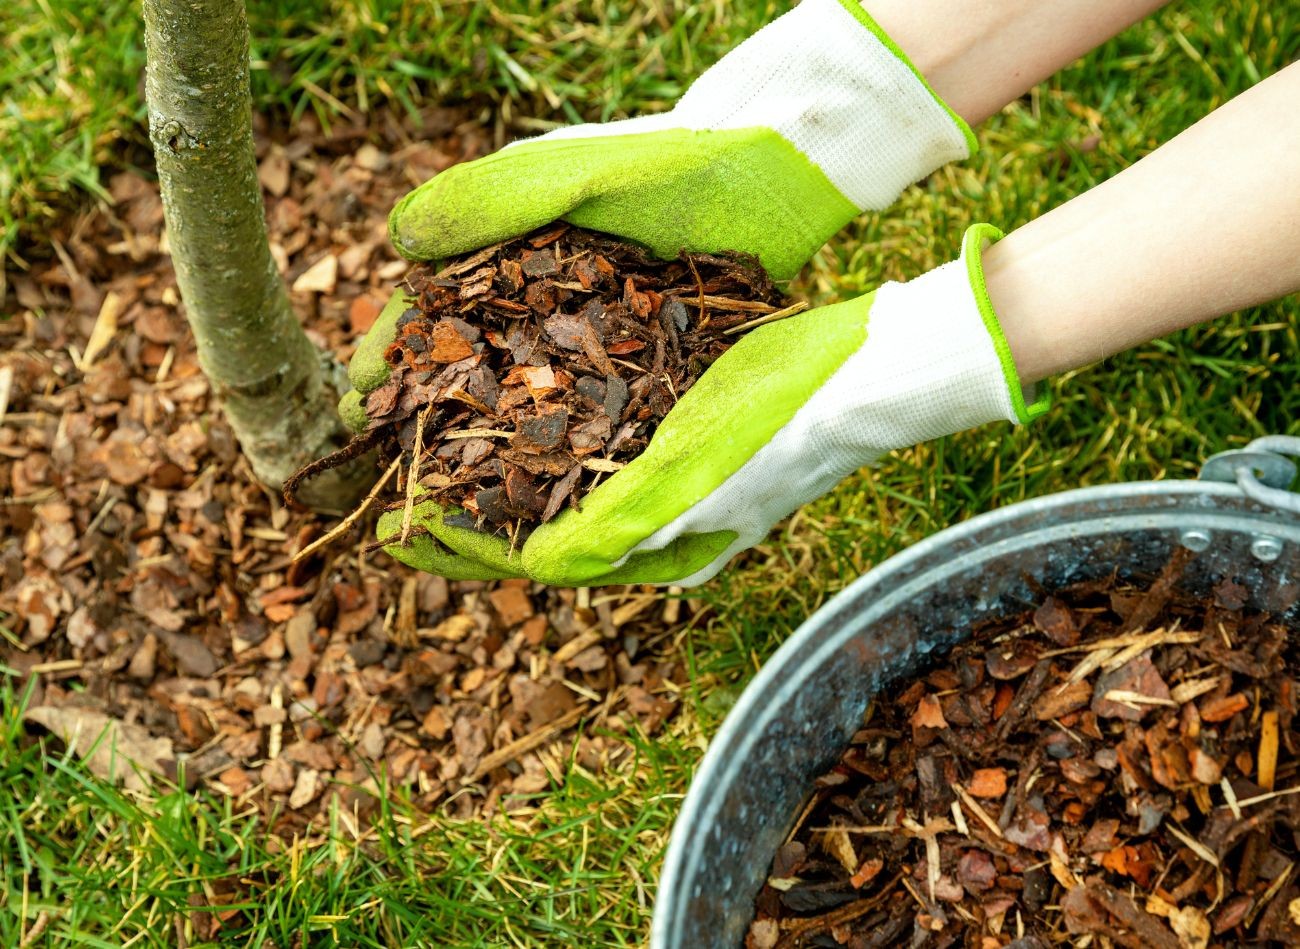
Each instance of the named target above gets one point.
<point>1205,225</point>
<point>978,55</point>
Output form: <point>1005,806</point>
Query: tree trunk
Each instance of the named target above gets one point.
<point>272,382</point>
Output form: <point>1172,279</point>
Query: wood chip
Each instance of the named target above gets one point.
<point>320,277</point>
<point>103,332</point>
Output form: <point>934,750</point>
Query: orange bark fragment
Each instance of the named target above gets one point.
<point>1220,710</point>
<point>928,714</point>
<point>988,783</point>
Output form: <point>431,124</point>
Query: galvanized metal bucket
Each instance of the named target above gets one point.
<point>798,713</point>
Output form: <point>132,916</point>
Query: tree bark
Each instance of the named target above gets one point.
<point>272,382</point>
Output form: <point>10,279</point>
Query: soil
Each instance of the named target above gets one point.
<point>146,578</point>
<point>1114,767</point>
<point>526,373</point>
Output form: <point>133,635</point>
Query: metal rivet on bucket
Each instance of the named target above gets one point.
<point>1266,549</point>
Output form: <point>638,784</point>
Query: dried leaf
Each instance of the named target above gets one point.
<point>111,749</point>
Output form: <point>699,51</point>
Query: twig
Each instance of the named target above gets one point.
<point>104,330</point>
<point>332,101</point>
<point>959,818</point>
<point>38,927</point>
<point>36,497</point>
<point>576,645</point>
<point>728,305</point>
<point>1145,640</point>
<point>1135,699</point>
<point>1261,798</point>
<point>791,310</point>
<point>836,917</point>
<point>1184,692</point>
<point>1026,695</point>
<point>1271,892</point>
<point>347,522</point>
<point>704,320</point>
<point>1266,766</point>
<point>1195,846</point>
<point>476,433</point>
<point>353,449</point>
<point>58,665</point>
<point>978,811</point>
<point>527,743</point>
<point>931,838</point>
<point>856,829</point>
<point>416,531</point>
<point>1090,664</point>
<point>413,476</point>
<point>1231,797</point>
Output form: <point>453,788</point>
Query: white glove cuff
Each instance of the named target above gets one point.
<point>934,362</point>
<point>828,80</point>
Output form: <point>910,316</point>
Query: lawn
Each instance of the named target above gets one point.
<point>579,866</point>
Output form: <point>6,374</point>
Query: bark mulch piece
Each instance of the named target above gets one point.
<point>147,581</point>
<point>1115,767</point>
<point>529,371</point>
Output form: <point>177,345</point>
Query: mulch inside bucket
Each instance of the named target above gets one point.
<point>1114,767</point>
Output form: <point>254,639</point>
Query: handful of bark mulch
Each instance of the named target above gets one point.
<point>1115,768</point>
<point>527,372</point>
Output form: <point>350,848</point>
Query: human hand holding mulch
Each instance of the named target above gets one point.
<point>769,154</point>
<point>779,419</point>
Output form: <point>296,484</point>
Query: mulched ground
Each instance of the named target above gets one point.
<point>1115,767</point>
<point>146,583</point>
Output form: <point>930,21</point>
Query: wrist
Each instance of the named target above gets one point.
<point>990,53</point>
<point>936,360</point>
<point>948,50</point>
<point>1046,304</point>
<point>932,57</point>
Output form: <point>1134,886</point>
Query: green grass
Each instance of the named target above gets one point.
<point>70,73</point>
<point>580,867</point>
<point>110,869</point>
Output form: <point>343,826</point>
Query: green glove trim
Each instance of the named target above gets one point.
<point>457,553</point>
<point>862,16</point>
<point>973,243</point>
<point>746,189</point>
<point>732,412</point>
<point>352,410</point>
<point>684,556</point>
<point>368,370</point>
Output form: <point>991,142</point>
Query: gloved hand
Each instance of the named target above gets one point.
<point>814,118</point>
<point>788,412</point>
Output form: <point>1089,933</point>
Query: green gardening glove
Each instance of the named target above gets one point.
<point>781,418</point>
<point>814,118</point>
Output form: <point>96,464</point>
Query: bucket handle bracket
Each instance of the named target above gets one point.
<point>1263,470</point>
